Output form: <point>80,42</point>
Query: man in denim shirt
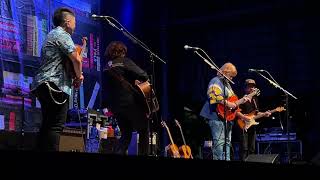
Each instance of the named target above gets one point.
<point>61,67</point>
<point>218,90</point>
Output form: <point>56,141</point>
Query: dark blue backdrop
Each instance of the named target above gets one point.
<point>279,36</point>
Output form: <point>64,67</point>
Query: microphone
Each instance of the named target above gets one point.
<point>186,47</point>
<point>256,70</point>
<point>98,16</point>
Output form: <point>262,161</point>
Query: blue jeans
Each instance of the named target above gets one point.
<point>218,134</point>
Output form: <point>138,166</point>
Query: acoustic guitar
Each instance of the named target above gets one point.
<point>173,148</point>
<point>185,150</point>
<point>68,63</point>
<point>76,84</point>
<point>230,114</point>
<point>148,97</point>
<point>245,125</point>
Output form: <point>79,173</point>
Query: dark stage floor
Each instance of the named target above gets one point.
<point>29,164</point>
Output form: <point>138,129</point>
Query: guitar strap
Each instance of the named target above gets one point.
<point>255,104</point>
<point>121,79</point>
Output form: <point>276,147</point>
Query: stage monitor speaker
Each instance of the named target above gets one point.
<point>263,158</point>
<point>316,160</point>
<point>72,140</point>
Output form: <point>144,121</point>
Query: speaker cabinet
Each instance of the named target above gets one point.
<point>263,158</point>
<point>316,159</point>
<point>72,140</point>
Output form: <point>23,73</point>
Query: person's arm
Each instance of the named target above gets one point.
<point>242,116</point>
<point>265,114</point>
<point>232,105</point>
<point>76,60</point>
<point>215,95</point>
<point>68,47</point>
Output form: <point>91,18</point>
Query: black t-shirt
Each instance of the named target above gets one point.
<point>118,84</point>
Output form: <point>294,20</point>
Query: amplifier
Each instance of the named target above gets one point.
<point>72,140</point>
<point>276,137</point>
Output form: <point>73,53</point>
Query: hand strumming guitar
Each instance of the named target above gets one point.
<point>77,82</point>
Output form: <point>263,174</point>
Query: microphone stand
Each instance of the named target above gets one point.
<point>287,94</point>
<point>215,67</point>
<point>146,48</point>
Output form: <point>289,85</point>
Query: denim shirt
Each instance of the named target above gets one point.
<point>54,59</point>
<point>215,94</point>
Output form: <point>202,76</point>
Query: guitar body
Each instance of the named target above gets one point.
<point>148,96</point>
<point>230,113</point>
<point>243,124</point>
<point>185,151</point>
<point>174,151</point>
<point>79,50</point>
<point>246,125</point>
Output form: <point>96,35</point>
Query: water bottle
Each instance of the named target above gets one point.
<point>117,132</point>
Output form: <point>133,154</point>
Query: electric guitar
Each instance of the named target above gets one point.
<point>185,150</point>
<point>231,113</point>
<point>173,148</point>
<point>245,125</point>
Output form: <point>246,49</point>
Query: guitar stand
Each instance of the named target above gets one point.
<point>153,136</point>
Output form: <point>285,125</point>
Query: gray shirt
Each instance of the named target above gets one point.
<point>54,59</point>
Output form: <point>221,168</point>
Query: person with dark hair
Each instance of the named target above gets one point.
<point>120,76</point>
<point>61,68</point>
<point>248,136</point>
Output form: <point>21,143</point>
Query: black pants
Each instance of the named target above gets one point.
<point>247,142</point>
<point>53,116</point>
<point>130,120</point>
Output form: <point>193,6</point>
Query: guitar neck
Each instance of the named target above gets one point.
<point>178,124</point>
<point>261,115</point>
<point>250,96</point>
<point>184,141</point>
<point>171,140</point>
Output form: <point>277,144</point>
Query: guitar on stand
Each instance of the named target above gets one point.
<point>172,148</point>
<point>185,150</point>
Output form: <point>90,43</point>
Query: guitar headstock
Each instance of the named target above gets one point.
<point>280,109</point>
<point>256,91</point>
<point>164,124</point>
<point>84,40</point>
<point>177,122</point>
